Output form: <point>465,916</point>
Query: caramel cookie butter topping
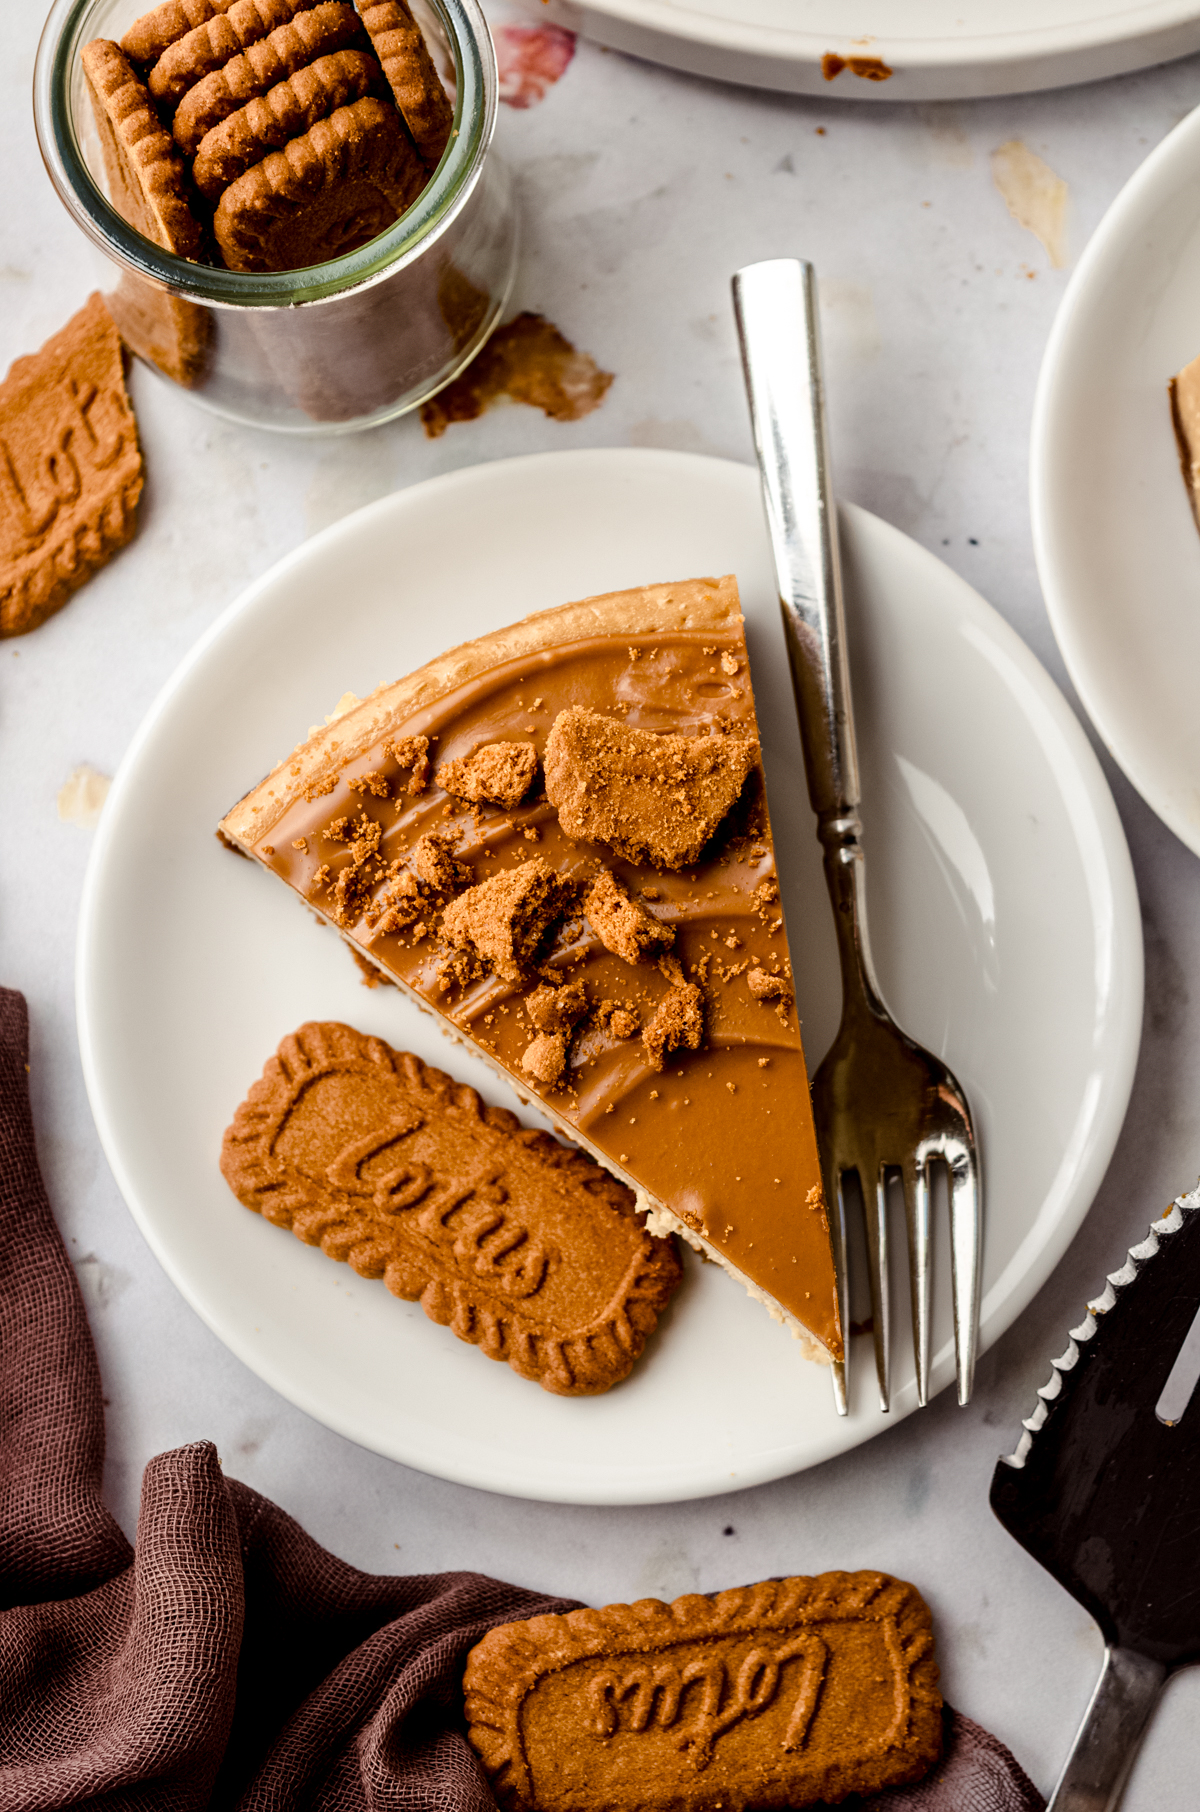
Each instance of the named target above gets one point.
<point>774,1695</point>
<point>633,877</point>
<point>524,1248</point>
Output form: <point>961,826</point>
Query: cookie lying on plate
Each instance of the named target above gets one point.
<point>517,1243</point>
<point>783,1694</point>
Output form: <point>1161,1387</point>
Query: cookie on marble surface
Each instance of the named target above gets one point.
<point>148,182</point>
<point>70,467</point>
<point>285,112</point>
<point>784,1694</point>
<point>401,48</point>
<point>209,46</point>
<point>325,194</point>
<point>331,26</point>
<point>522,1246</point>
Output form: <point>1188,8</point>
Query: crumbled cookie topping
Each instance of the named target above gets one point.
<point>546,1058</point>
<point>505,919</point>
<point>655,799</point>
<point>623,926</point>
<point>438,867</point>
<point>764,986</point>
<point>500,773</point>
<point>376,784</point>
<point>557,1009</point>
<point>411,752</point>
<point>619,1021</point>
<point>678,1024</point>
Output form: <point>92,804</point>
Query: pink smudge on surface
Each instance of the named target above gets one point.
<point>531,58</point>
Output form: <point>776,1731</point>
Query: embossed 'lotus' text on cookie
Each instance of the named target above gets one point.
<point>775,1695</point>
<point>521,1245</point>
<point>329,27</point>
<point>408,66</point>
<point>212,44</point>
<point>70,468</point>
<point>285,112</point>
<point>325,194</point>
<point>147,181</point>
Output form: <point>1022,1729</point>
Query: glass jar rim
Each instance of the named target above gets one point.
<point>405,240</point>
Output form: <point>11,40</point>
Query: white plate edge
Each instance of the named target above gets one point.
<point>1050,565</point>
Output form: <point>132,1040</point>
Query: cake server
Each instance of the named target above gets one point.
<point>883,1106</point>
<point>1104,1491</point>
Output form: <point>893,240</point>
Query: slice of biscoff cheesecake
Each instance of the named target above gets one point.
<point>556,838</point>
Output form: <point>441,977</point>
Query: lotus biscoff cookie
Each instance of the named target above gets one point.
<point>519,1244</point>
<point>147,180</point>
<point>408,66</point>
<point>70,468</point>
<point>303,40</point>
<point>327,193</point>
<point>785,1694</point>
<point>211,45</point>
<point>286,112</point>
<point>150,35</point>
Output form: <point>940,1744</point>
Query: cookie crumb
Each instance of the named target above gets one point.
<point>546,1058</point>
<point>557,1009</point>
<point>623,926</point>
<point>620,1022</point>
<point>504,919</point>
<point>678,1024</point>
<point>764,986</point>
<point>654,798</point>
<point>500,773</point>
<point>411,752</point>
<point>434,860</point>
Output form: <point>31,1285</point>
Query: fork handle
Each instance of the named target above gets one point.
<point>1107,1741</point>
<point>776,308</point>
<point>779,329</point>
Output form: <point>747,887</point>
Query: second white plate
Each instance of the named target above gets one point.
<point>1117,550</point>
<point>1002,902</point>
<point>935,49</point>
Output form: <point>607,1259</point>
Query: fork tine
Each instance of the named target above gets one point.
<point>840,1370</point>
<point>965,1256</point>
<point>875,1213</point>
<point>916,1213</point>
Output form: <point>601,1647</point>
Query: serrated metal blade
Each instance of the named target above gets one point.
<point>1100,1490</point>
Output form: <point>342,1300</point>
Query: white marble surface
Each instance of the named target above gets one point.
<point>642,191</point>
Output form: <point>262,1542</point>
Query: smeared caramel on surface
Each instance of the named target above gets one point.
<point>722,1138</point>
<point>871,69</point>
<point>530,361</point>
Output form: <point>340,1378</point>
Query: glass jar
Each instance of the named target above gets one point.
<point>334,347</point>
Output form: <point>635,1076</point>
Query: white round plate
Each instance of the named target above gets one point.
<point>1002,902</point>
<point>1117,549</point>
<point>935,49</point>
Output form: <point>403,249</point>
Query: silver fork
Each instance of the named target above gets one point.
<point>883,1106</point>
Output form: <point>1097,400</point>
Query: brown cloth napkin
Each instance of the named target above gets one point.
<point>227,1660</point>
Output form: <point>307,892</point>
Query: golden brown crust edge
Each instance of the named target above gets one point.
<point>691,604</point>
<point>618,1661</point>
